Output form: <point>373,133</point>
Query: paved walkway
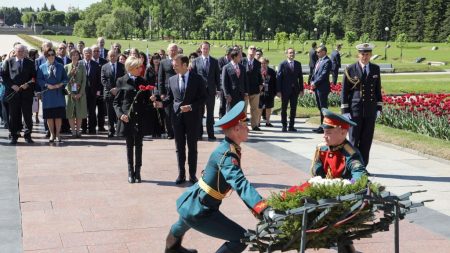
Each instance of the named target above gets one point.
<point>75,198</point>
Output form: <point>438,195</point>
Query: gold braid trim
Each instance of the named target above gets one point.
<point>354,81</point>
<point>316,156</point>
<point>209,190</point>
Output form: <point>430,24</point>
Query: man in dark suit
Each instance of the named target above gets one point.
<point>103,50</point>
<point>234,80</point>
<point>164,73</point>
<point>224,60</point>
<point>208,68</point>
<point>312,60</point>
<point>61,53</point>
<point>361,99</point>
<point>320,82</point>
<point>110,72</point>
<point>93,90</point>
<point>255,84</point>
<point>100,102</point>
<point>289,87</point>
<point>336,63</point>
<point>186,94</point>
<point>19,75</point>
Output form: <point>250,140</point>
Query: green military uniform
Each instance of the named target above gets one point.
<point>199,206</point>
<point>341,161</point>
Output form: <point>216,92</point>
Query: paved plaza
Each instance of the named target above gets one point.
<point>74,197</point>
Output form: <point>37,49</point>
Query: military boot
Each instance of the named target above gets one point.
<point>173,245</point>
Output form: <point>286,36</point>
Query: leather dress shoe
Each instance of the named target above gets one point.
<point>256,128</point>
<point>47,134</point>
<point>180,180</point>
<point>318,130</point>
<point>170,137</point>
<point>269,125</point>
<point>193,179</point>
<point>13,141</point>
<point>29,140</point>
<point>110,135</point>
<point>292,129</point>
<point>284,129</point>
<point>212,138</point>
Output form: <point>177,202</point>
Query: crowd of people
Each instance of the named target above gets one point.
<point>143,94</point>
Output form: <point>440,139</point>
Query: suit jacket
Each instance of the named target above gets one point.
<point>289,80</point>
<point>271,79</point>
<point>361,96</point>
<point>195,95</point>
<point>234,86</point>
<point>321,76</point>
<point>94,84</point>
<point>212,77</point>
<point>109,80</point>
<point>222,62</point>
<point>164,73</point>
<point>335,60</point>
<point>12,76</point>
<point>101,61</point>
<point>65,60</point>
<point>105,53</point>
<point>254,77</point>
<point>139,118</point>
<point>313,57</point>
<point>151,76</point>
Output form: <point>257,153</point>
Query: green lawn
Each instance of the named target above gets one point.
<point>413,51</point>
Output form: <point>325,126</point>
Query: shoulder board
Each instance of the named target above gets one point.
<point>349,149</point>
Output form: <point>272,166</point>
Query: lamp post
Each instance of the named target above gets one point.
<point>232,37</point>
<point>268,39</point>
<point>206,33</point>
<point>184,33</point>
<point>315,31</point>
<point>245,37</point>
<point>386,29</point>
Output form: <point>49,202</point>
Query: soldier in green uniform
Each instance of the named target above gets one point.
<point>199,206</point>
<point>337,158</point>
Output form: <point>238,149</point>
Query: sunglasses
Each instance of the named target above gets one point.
<point>50,55</point>
<point>252,48</point>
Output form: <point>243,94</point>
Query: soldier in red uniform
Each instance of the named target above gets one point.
<point>337,158</point>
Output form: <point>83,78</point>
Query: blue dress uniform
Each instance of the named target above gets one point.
<point>341,161</point>
<point>361,98</point>
<point>199,206</point>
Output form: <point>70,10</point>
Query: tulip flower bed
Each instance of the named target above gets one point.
<point>427,114</point>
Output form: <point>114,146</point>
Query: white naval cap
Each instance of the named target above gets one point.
<point>365,47</point>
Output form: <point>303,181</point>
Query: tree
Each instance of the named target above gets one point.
<point>43,17</point>
<point>71,18</point>
<point>444,31</point>
<point>105,27</point>
<point>331,40</point>
<point>323,38</point>
<point>45,8</point>
<point>302,38</point>
<point>124,20</point>
<point>87,26</point>
<point>292,38</point>
<point>52,7</point>
<point>351,38</point>
<point>83,28</point>
<point>57,17</point>
<point>433,20</point>
<point>281,38</point>
<point>11,15</point>
<point>365,38</point>
<point>401,40</point>
<point>448,39</point>
<point>28,18</point>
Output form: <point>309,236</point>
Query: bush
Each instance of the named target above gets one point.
<point>48,32</point>
<point>60,33</point>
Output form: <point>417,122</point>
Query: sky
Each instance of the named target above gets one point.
<point>62,5</point>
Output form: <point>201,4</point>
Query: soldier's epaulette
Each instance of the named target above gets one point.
<point>349,149</point>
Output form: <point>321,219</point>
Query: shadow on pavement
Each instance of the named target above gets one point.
<point>416,178</point>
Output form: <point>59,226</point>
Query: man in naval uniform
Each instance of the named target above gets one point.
<point>199,206</point>
<point>361,99</point>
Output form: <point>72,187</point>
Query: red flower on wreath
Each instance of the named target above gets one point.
<point>146,87</point>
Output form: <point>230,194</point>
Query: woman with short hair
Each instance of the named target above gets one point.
<point>53,79</point>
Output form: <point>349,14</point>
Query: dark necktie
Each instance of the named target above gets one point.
<point>364,75</point>
<point>87,68</point>
<point>114,71</point>
<point>20,66</point>
<point>291,65</point>
<point>206,65</point>
<point>182,86</point>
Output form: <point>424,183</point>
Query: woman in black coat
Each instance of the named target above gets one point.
<point>131,105</point>
<point>268,92</point>
<point>151,76</point>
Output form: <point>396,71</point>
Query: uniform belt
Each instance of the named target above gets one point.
<point>209,190</point>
